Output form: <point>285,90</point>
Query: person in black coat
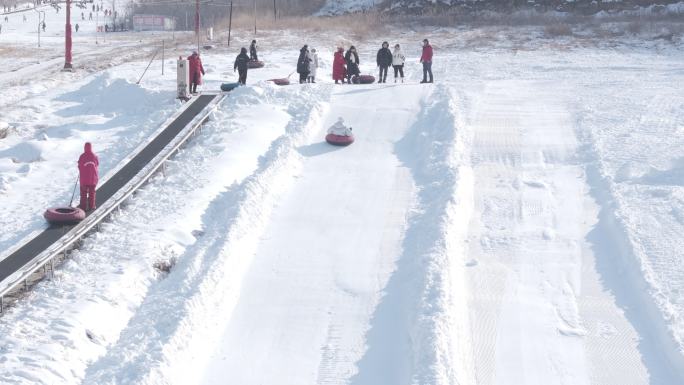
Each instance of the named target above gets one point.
<point>384,60</point>
<point>352,59</point>
<point>241,66</point>
<point>303,64</point>
<point>253,52</point>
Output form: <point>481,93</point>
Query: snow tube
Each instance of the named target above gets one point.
<point>280,82</point>
<point>363,79</point>
<point>64,215</point>
<point>229,86</point>
<point>255,64</point>
<point>339,140</point>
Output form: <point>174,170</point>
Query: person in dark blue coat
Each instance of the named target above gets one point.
<point>241,65</point>
<point>303,64</point>
<point>352,59</point>
<point>384,60</point>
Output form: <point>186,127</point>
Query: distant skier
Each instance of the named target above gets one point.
<point>339,70</point>
<point>196,71</point>
<point>90,16</point>
<point>241,65</point>
<point>88,166</point>
<point>43,26</point>
<point>426,59</point>
<point>303,64</point>
<point>253,51</point>
<point>76,27</point>
<point>398,60</point>
<point>352,59</point>
<point>313,67</point>
<point>384,60</point>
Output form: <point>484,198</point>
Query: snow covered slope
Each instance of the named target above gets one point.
<point>516,222</point>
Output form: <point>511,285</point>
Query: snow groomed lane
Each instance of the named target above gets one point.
<point>329,249</point>
<point>25,254</point>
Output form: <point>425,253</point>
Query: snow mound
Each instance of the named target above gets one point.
<point>110,96</point>
<point>339,7</point>
<point>25,152</point>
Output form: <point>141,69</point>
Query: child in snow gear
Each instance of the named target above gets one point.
<point>384,60</point>
<point>339,70</point>
<point>313,66</point>
<point>338,128</point>
<point>398,60</point>
<point>241,65</point>
<point>253,51</point>
<point>303,64</point>
<point>426,59</point>
<point>88,165</point>
<point>352,59</point>
<point>196,71</point>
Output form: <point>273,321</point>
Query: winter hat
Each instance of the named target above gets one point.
<point>352,48</point>
<point>89,147</point>
<point>253,41</point>
<point>194,52</point>
<point>313,49</point>
<point>384,43</point>
<point>397,46</point>
<point>243,50</point>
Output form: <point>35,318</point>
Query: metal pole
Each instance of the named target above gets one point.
<point>275,11</point>
<point>162,57</point>
<point>97,26</point>
<point>197,21</point>
<point>255,18</point>
<point>230,22</point>
<point>67,38</point>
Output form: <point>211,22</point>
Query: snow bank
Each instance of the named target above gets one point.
<point>425,295</point>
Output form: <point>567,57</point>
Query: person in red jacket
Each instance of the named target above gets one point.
<point>339,71</point>
<point>426,59</point>
<point>88,165</point>
<point>196,71</point>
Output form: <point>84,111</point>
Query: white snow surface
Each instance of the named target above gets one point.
<point>339,7</point>
<point>517,222</point>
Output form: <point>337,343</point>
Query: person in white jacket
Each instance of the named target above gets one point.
<point>398,60</point>
<point>340,129</point>
<point>313,66</point>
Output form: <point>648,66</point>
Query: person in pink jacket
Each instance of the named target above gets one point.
<point>88,165</point>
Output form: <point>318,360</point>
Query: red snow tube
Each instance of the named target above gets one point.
<point>339,140</point>
<point>280,82</point>
<point>255,64</point>
<point>363,79</point>
<point>64,215</point>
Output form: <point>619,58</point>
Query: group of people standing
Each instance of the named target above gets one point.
<point>346,65</point>
<point>307,65</point>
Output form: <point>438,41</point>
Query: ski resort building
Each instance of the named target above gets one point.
<point>153,23</point>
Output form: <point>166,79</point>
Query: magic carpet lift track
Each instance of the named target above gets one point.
<point>40,249</point>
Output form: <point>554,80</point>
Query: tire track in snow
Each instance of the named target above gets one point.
<point>623,267</point>
<point>419,331</point>
<point>536,297</point>
<point>177,320</point>
<point>67,323</point>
